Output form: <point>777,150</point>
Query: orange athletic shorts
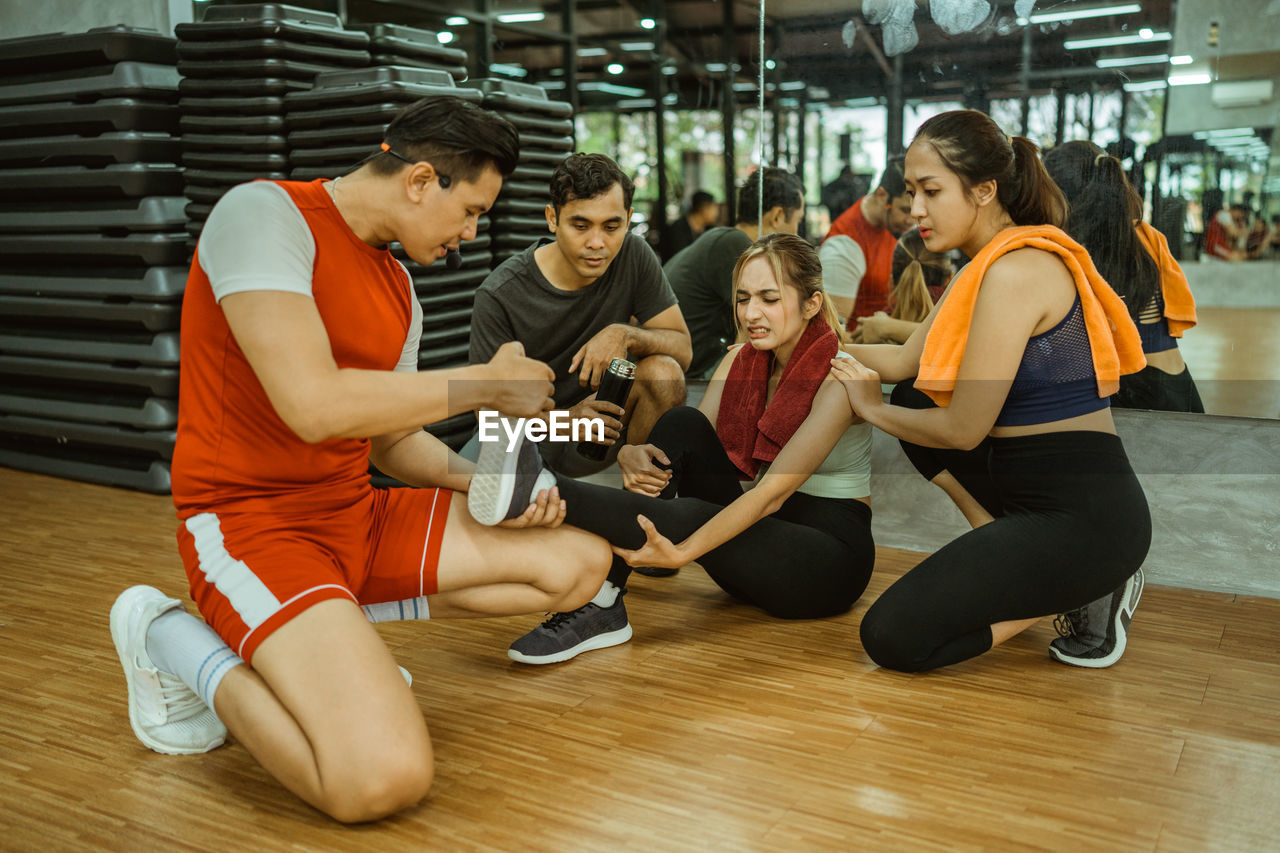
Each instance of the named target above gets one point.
<point>251,572</point>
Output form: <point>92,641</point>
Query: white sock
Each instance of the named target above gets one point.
<point>607,595</point>
<point>182,645</point>
<point>397,611</point>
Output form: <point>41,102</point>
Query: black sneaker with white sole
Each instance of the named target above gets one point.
<point>1095,635</point>
<point>506,480</point>
<point>567,635</point>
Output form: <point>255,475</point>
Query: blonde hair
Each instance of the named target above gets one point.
<point>794,263</point>
<point>915,270</point>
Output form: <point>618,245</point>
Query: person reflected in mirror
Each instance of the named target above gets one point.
<point>857,253</point>
<point>797,543</point>
<point>299,357</point>
<point>702,274</point>
<point>703,212</point>
<point>1021,357</point>
<point>919,277</point>
<point>590,293</point>
<point>1135,259</point>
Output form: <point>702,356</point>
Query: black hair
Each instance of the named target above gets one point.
<point>455,136</point>
<point>583,176</point>
<point>781,189</point>
<point>891,179</point>
<point>700,199</point>
<point>973,146</point>
<point>1104,208</point>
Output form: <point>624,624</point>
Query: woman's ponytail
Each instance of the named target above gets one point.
<point>1104,208</point>
<point>1031,196</point>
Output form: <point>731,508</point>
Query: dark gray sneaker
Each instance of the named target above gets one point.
<point>506,481</point>
<point>1095,635</point>
<point>567,635</point>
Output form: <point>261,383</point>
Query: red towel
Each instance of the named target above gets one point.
<point>1179,304</point>
<point>750,432</point>
<point>1113,337</point>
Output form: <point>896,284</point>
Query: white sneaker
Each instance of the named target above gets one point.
<point>166,715</point>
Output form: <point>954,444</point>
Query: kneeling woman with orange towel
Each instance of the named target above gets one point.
<point>1026,346</point>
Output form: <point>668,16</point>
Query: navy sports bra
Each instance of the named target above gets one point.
<point>1056,378</point>
<point>1152,327</point>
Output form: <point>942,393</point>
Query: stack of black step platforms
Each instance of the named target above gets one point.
<point>393,44</point>
<point>546,138</point>
<point>238,64</point>
<point>92,252</point>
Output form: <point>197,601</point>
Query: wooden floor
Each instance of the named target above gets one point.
<point>1234,355</point>
<point>714,729</point>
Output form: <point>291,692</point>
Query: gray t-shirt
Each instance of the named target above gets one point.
<point>517,303</point>
<point>702,277</point>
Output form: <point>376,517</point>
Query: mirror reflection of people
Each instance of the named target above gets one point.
<point>1135,259</point>
<point>857,253</point>
<point>919,278</point>
<point>590,293</point>
<point>797,543</point>
<point>1224,231</point>
<point>842,192</point>
<point>702,274</point>
<point>1022,353</point>
<point>299,359</point>
<point>703,213</point>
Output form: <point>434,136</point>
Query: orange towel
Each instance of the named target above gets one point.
<point>1179,304</point>
<point>1113,337</point>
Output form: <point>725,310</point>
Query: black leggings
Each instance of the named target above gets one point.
<point>1152,388</point>
<point>1074,525</point>
<point>811,558</point>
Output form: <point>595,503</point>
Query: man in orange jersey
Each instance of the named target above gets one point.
<point>299,366</point>
<point>857,253</point>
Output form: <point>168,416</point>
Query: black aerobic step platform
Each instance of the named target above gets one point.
<point>446,301</point>
<point>551,143</point>
<point>98,46</point>
<point>160,249</point>
<point>119,180</point>
<point>157,443</point>
<point>137,411</point>
<point>69,117</point>
<point>454,318</point>
<point>271,21</point>
<point>245,87</point>
<point>214,125</point>
<point>250,105</point>
<point>364,115</point>
<point>93,151</point>
<point>502,95</point>
<point>154,213</point>
<point>90,313</point>
<point>273,48</point>
<point>151,284</point>
<point>107,470</point>
<point>395,41</point>
<point>121,348</point>
<point>377,85</point>
<point>229,178</point>
<point>256,69</point>
<point>153,381</point>
<point>144,80</point>
<point>258,162</point>
<point>506,208</point>
<point>541,124</point>
<point>246,142</point>
<point>448,282</point>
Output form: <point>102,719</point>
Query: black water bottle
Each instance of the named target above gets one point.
<point>615,386</point>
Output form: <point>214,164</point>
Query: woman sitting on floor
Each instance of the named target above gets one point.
<point>797,544</point>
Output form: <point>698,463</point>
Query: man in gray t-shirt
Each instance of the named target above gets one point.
<point>591,294</point>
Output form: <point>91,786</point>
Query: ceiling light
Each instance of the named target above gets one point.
<point>636,103</point>
<point>1113,41</point>
<point>792,85</point>
<point>585,52</point>
<point>444,36</point>
<point>1146,33</point>
<point>1230,131</point>
<point>669,70</point>
<point>647,23</point>
<point>1080,14</point>
<point>670,98</point>
<point>614,68</point>
<point>612,89</point>
<point>744,86</point>
<point>1125,61</point>
<point>1180,59</point>
<point>508,69</point>
<point>456,21</point>
<point>636,45</point>
<point>1195,79</point>
<point>862,102</point>
<point>1145,86</point>
<point>770,64</point>
<point>716,67</point>
<point>522,17</point>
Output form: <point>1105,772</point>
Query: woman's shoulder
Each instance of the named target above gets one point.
<point>1027,266</point>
